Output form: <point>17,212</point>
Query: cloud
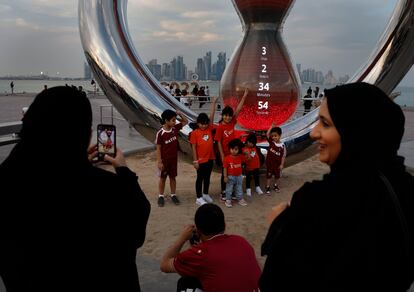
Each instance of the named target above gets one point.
<point>53,8</point>
<point>197,14</point>
<point>22,23</point>
<point>5,8</point>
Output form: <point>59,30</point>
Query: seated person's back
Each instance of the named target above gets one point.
<point>220,262</point>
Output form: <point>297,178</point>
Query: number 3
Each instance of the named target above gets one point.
<point>263,50</point>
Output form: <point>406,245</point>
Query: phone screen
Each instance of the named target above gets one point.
<point>106,140</point>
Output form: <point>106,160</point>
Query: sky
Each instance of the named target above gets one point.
<point>43,36</point>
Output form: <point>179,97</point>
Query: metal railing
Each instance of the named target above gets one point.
<point>9,132</point>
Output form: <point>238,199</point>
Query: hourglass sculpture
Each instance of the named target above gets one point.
<point>262,64</point>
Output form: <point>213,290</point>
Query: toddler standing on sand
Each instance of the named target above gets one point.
<point>232,169</point>
<point>275,158</point>
<point>252,153</point>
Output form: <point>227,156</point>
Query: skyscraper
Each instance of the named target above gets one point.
<point>220,65</point>
<point>207,65</point>
<point>155,68</point>
<point>166,71</point>
<point>200,69</point>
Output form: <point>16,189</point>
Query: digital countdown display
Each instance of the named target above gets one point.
<point>262,64</point>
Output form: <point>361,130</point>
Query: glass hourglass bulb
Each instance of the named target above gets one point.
<point>262,64</point>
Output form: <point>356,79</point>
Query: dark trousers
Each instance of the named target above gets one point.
<point>203,178</point>
<point>255,174</point>
<point>222,183</point>
<point>189,283</point>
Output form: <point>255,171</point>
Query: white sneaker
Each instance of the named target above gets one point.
<point>249,192</point>
<point>200,201</point>
<point>259,191</point>
<point>228,204</point>
<point>207,198</point>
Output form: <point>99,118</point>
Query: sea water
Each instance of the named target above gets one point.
<point>406,98</point>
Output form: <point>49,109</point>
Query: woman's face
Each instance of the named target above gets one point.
<point>327,137</point>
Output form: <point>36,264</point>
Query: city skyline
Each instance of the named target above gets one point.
<point>206,70</point>
<point>42,35</point>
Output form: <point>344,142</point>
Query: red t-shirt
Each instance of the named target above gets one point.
<point>224,134</point>
<point>168,141</point>
<point>203,139</point>
<point>254,161</point>
<point>233,164</point>
<point>223,263</point>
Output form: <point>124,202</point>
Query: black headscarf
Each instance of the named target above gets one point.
<point>56,127</point>
<point>370,124</point>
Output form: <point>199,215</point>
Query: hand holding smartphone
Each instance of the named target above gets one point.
<point>106,140</point>
<point>194,238</point>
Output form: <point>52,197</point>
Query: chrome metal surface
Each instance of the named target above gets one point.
<point>140,98</point>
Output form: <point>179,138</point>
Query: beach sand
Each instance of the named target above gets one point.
<point>166,223</point>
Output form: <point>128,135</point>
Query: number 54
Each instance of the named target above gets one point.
<point>263,104</point>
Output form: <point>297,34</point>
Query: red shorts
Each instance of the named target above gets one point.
<point>273,170</point>
<point>170,168</point>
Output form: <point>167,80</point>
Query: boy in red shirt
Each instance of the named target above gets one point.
<point>167,148</point>
<point>201,140</point>
<point>216,261</point>
<point>225,133</point>
<point>275,158</point>
<point>251,151</point>
<point>232,169</point>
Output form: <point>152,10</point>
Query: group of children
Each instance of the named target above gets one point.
<point>233,155</point>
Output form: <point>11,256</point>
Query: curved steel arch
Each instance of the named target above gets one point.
<point>139,97</point>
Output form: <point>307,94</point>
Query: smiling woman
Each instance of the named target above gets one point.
<point>327,136</point>
<point>353,230</point>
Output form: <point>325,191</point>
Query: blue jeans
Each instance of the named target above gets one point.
<point>236,183</point>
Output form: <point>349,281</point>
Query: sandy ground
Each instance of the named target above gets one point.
<point>166,223</point>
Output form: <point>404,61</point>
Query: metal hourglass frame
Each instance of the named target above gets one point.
<point>139,97</point>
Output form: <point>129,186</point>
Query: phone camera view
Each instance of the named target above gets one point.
<point>106,141</point>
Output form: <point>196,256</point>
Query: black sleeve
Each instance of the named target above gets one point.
<point>300,201</point>
<point>274,232</point>
<point>137,204</point>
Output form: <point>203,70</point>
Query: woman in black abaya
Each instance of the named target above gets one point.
<point>65,224</point>
<point>354,229</point>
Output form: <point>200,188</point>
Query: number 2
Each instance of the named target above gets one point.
<point>264,68</point>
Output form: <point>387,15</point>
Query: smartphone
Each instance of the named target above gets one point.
<point>106,136</point>
<point>194,238</point>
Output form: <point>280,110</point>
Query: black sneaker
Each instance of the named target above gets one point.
<point>267,191</point>
<point>276,188</point>
<point>160,201</point>
<point>175,200</point>
<point>223,196</point>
